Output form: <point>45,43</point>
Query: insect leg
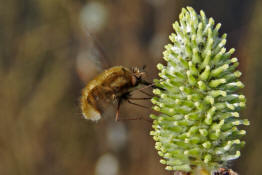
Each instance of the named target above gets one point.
<point>117,110</point>
<point>142,88</point>
<point>146,93</point>
<point>142,106</point>
<point>147,85</point>
<point>117,118</point>
<point>136,118</point>
<point>127,96</point>
<point>146,98</point>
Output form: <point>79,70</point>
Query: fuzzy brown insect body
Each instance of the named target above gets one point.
<point>110,86</point>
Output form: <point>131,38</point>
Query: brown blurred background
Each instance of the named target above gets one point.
<point>47,55</point>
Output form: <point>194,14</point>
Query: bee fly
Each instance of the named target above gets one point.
<point>112,85</point>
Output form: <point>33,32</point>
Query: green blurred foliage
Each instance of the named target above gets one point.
<point>41,129</point>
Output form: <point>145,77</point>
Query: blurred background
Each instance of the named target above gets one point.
<point>49,51</point>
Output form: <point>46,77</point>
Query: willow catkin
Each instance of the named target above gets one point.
<point>197,101</point>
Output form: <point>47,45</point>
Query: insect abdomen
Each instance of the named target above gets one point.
<point>88,109</point>
<point>106,87</point>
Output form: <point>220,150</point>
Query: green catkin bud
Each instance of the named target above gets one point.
<point>204,76</point>
<point>198,102</point>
